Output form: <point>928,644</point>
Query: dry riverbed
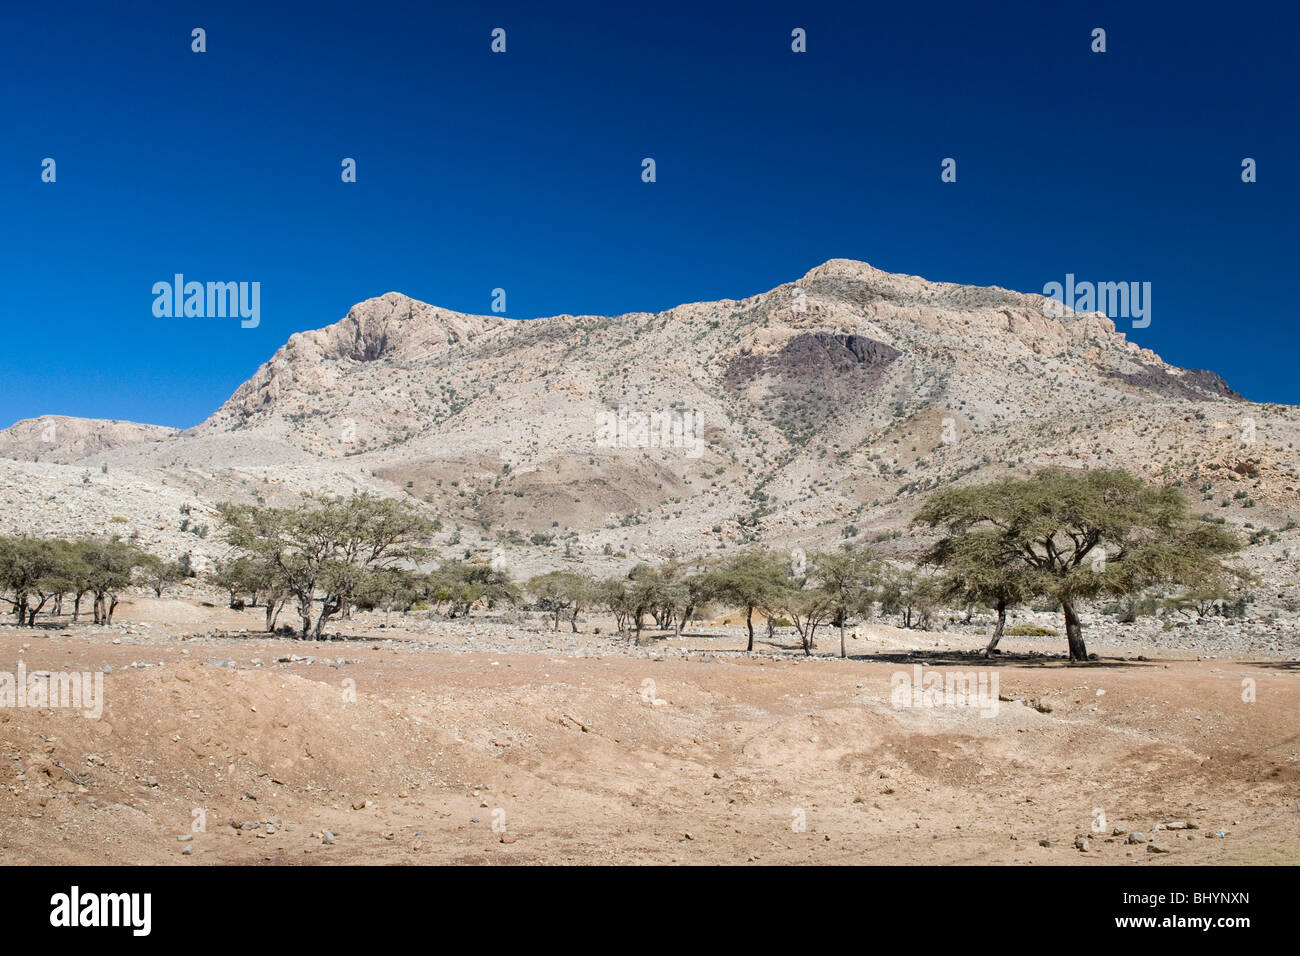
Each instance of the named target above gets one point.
<point>489,742</point>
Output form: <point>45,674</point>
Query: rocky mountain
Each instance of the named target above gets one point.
<point>818,412</point>
<point>60,438</point>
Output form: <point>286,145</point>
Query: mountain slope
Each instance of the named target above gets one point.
<point>821,411</point>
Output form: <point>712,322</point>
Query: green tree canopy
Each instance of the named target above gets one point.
<point>328,546</point>
<point>752,580</point>
<point>1073,536</point>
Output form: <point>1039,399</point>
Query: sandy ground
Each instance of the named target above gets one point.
<point>407,753</point>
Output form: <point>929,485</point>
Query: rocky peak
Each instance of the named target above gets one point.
<point>392,324</point>
<point>391,327</point>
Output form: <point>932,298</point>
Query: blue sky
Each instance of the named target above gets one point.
<point>523,170</point>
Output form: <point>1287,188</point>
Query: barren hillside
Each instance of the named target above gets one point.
<point>822,410</point>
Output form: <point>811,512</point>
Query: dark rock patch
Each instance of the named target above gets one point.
<point>1195,385</point>
<point>813,378</point>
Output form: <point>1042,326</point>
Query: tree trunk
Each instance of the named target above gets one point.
<point>749,623</point>
<point>32,612</point>
<point>1074,633</point>
<point>844,648</point>
<point>997,628</point>
<point>573,621</point>
<point>327,610</point>
<point>273,607</point>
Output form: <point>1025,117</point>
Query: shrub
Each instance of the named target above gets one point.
<point>1030,630</point>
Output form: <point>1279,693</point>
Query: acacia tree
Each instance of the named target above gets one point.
<point>563,593</point>
<point>1077,535</point>
<point>389,588</point>
<point>36,571</point>
<point>273,586</point>
<point>670,597</point>
<point>807,605</point>
<point>582,594</point>
<point>257,576</point>
<point>552,594</point>
<point>159,574</point>
<point>612,593</point>
<point>111,566</point>
<point>643,591</point>
<point>1210,597</point>
<point>455,586</point>
<point>241,574</point>
<point>984,567</point>
<point>327,546</point>
<point>649,591</point>
<point>26,565</point>
<point>76,573</point>
<point>66,576</point>
<point>910,594</point>
<point>460,585</point>
<point>751,580</point>
<point>849,579</point>
<point>697,593</point>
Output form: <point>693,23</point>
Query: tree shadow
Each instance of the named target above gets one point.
<point>1275,665</point>
<point>338,638</point>
<point>977,658</point>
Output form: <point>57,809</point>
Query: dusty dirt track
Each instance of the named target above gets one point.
<point>574,759</point>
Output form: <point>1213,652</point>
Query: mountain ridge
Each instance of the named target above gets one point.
<point>822,411</point>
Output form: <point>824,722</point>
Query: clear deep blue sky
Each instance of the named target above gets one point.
<point>522,170</point>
